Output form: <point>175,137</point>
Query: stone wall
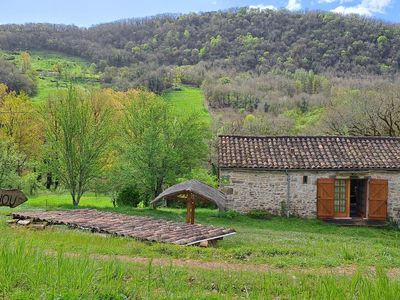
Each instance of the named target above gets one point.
<point>247,190</point>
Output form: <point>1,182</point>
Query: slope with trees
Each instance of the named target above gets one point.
<point>245,39</point>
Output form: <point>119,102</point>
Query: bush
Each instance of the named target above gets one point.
<point>129,196</point>
<point>260,214</point>
<point>229,214</point>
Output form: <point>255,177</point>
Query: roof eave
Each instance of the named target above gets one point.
<point>310,169</point>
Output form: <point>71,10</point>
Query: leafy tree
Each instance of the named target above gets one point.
<point>10,161</point>
<point>26,62</point>
<point>215,41</point>
<point>249,41</point>
<point>78,134</point>
<point>186,34</point>
<point>303,105</point>
<point>20,123</point>
<point>14,79</point>
<point>159,147</point>
<point>3,91</point>
<point>382,40</point>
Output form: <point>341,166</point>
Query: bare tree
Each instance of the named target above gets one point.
<point>367,112</point>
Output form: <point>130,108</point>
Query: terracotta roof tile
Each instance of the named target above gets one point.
<point>309,152</point>
<point>143,228</point>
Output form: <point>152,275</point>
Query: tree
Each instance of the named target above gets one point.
<point>77,139</point>
<point>367,112</point>
<point>20,123</point>
<point>14,79</point>
<point>26,64</point>
<point>158,146</point>
<point>10,161</point>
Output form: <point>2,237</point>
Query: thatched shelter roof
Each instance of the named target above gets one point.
<point>197,188</point>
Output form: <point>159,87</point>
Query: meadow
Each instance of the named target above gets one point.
<point>267,259</point>
<point>54,70</point>
<point>188,100</point>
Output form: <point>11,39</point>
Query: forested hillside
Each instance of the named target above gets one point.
<point>262,72</point>
<point>240,38</point>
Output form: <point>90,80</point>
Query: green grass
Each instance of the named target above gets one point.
<point>279,242</point>
<point>287,245</point>
<point>27,273</point>
<point>74,70</point>
<point>188,100</point>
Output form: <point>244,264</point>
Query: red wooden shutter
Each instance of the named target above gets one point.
<point>325,196</point>
<point>378,196</point>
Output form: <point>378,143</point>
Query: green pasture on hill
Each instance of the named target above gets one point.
<point>46,67</point>
<point>187,100</point>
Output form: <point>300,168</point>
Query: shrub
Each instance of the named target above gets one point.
<point>229,214</point>
<point>129,196</point>
<point>260,214</point>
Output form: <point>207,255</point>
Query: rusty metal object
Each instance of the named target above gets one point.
<point>12,198</point>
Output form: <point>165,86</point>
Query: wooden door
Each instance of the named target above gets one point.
<point>341,199</point>
<point>377,200</point>
<point>325,198</point>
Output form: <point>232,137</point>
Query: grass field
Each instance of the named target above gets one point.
<point>279,242</point>
<point>27,273</point>
<point>188,100</point>
<point>49,80</point>
<point>294,258</point>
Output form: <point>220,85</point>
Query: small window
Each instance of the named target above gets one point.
<point>305,179</point>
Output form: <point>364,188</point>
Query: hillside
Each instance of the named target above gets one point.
<point>51,71</point>
<point>239,38</point>
<point>260,72</point>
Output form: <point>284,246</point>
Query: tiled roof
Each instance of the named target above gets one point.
<point>309,152</point>
<point>139,227</point>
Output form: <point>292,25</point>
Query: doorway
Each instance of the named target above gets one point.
<point>358,198</point>
<point>346,198</point>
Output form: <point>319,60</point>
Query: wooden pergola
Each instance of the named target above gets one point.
<point>192,191</point>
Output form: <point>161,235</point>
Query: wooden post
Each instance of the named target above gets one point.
<point>193,208</point>
<point>190,207</point>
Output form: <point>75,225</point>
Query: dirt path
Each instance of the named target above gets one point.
<point>205,265</point>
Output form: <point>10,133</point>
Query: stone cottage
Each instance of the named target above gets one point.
<point>312,176</point>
